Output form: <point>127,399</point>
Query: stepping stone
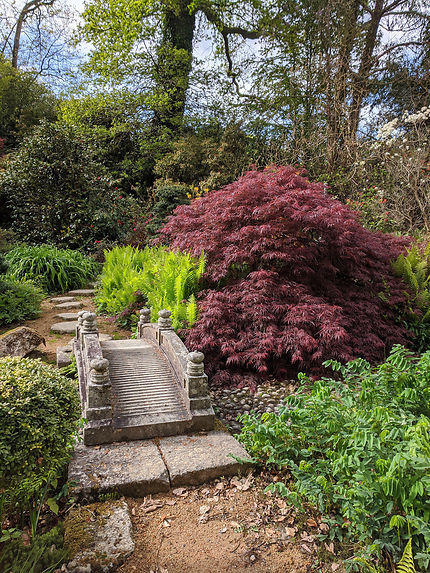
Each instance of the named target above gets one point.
<point>83,292</point>
<point>132,469</point>
<point>98,536</point>
<point>67,316</point>
<point>60,299</point>
<point>69,305</point>
<point>196,459</point>
<point>64,327</point>
<point>64,358</point>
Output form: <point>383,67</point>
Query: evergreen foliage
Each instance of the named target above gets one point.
<point>295,279</point>
<point>39,412</point>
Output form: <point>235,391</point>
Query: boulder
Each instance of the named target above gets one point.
<point>19,341</point>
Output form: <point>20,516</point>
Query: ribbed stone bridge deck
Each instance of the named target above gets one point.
<point>143,388</point>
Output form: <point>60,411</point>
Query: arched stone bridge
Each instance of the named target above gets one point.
<point>143,388</point>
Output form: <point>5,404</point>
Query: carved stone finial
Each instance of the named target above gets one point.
<point>99,371</point>
<point>145,316</point>
<point>195,366</point>
<point>164,319</point>
<point>81,317</point>
<point>89,323</point>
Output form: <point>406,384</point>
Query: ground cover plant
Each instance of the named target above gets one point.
<point>155,277</point>
<point>294,278</point>
<point>364,463</point>
<point>55,270</point>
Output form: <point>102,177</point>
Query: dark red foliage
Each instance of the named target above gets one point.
<point>294,277</point>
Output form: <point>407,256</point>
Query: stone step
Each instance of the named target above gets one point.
<point>69,305</point>
<point>67,316</point>
<point>60,299</point>
<point>64,327</point>
<point>140,468</point>
<point>82,292</point>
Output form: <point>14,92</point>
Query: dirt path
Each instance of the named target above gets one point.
<point>227,525</point>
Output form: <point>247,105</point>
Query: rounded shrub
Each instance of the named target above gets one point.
<point>19,300</point>
<point>294,278</point>
<point>39,414</point>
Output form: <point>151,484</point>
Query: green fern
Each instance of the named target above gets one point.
<point>406,563</point>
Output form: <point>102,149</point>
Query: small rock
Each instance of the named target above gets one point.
<point>63,358</point>
<point>19,341</point>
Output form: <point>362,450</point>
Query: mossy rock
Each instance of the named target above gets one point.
<point>98,536</point>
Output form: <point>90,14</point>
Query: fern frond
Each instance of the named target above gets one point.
<point>406,563</point>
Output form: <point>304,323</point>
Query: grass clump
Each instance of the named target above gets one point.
<point>359,450</point>
<point>55,270</point>
<point>153,276</point>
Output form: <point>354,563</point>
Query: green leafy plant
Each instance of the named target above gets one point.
<point>45,554</point>
<point>55,270</point>
<point>414,268</point>
<point>39,419</point>
<point>358,448</point>
<point>406,563</point>
<point>19,300</point>
<point>166,279</point>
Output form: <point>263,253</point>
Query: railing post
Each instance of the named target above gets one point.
<point>197,379</point>
<point>145,318</point>
<point>89,325</point>
<point>164,321</point>
<point>99,406</point>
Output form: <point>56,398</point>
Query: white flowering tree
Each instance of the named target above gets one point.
<point>395,175</point>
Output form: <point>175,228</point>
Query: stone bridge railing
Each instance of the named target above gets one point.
<point>187,366</point>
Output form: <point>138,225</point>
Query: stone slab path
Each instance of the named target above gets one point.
<point>143,467</point>
<point>69,305</point>
<point>68,327</point>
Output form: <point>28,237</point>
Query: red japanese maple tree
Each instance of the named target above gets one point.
<point>293,277</point>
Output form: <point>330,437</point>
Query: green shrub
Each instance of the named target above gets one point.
<point>55,270</point>
<point>39,413</point>
<point>19,300</point>
<point>58,192</point>
<point>167,196</point>
<point>165,279</point>
<point>358,449</point>
<point>414,268</point>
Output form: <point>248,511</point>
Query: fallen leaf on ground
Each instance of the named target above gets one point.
<point>306,548</point>
<point>324,527</point>
<point>311,522</point>
<point>181,491</point>
<point>219,486</point>
<point>170,502</point>
<point>330,547</point>
<point>234,524</point>
<point>335,566</point>
<point>204,509</point>
<point>290,531</point>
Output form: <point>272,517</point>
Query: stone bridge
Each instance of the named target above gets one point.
<point>143,388</point>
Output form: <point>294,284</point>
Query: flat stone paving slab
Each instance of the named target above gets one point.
<point>196,459</point>
<point>98,536</point>
<point>69,305</point>
<point>83,292</point>
<point>67,316</point>
<point>61,299</point>
<point>64,327</point>
<point>134,469</point>
<point>140,468</point>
